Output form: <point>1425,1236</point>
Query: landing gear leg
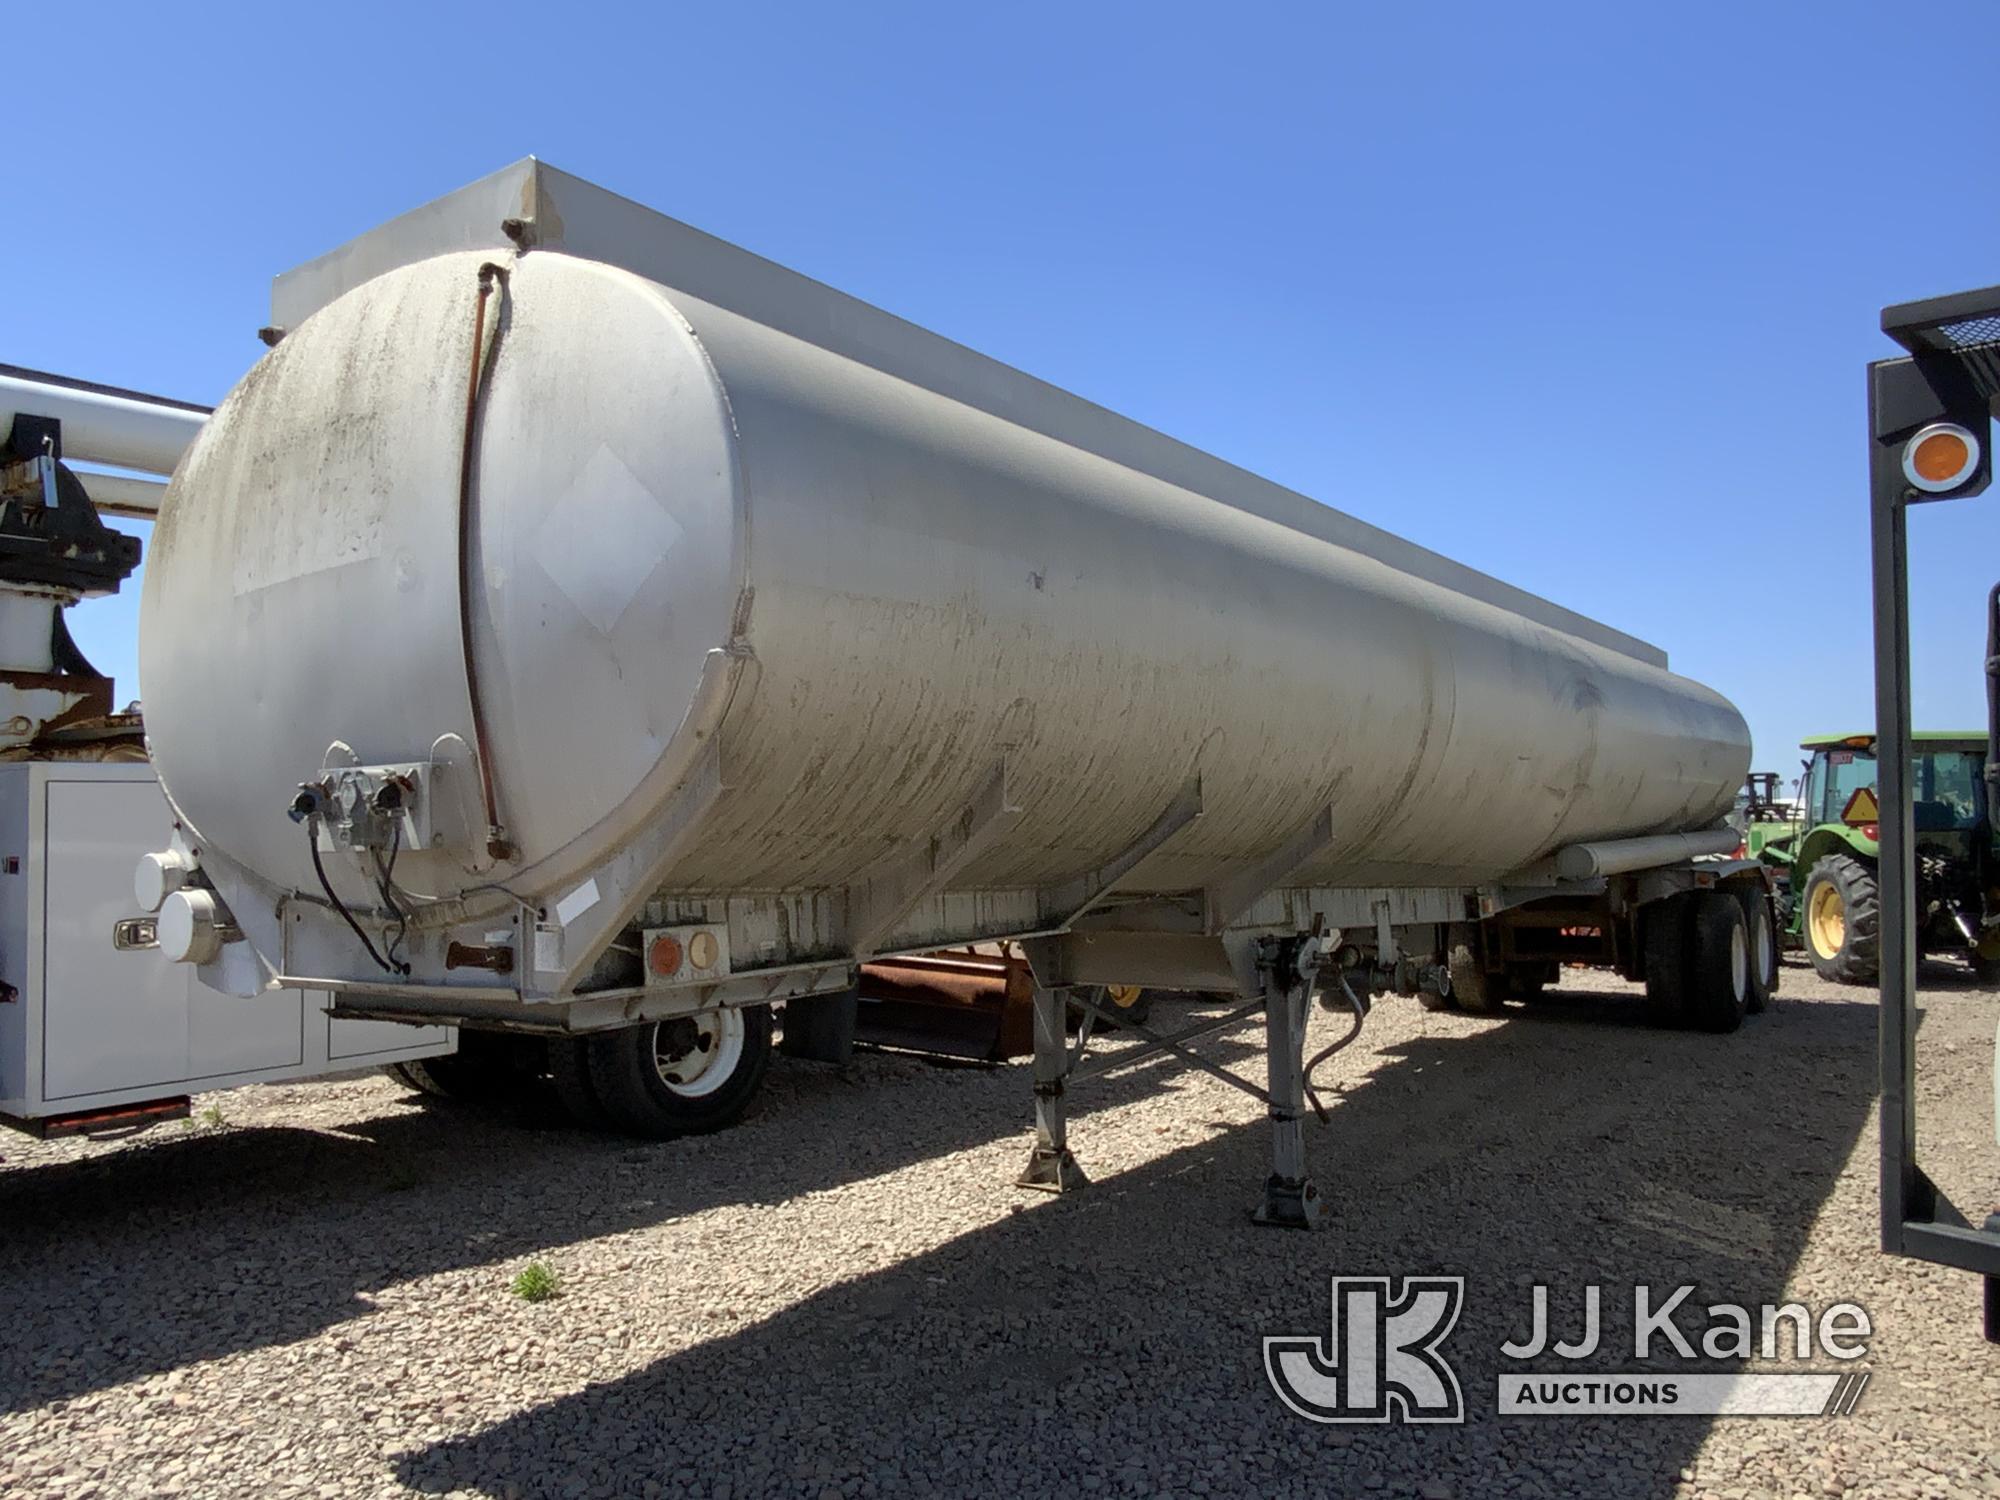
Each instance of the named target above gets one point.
<point>1291,1200</point>
<point>1051,1168</point>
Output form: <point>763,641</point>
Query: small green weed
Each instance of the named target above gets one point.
<point>536,1283</point>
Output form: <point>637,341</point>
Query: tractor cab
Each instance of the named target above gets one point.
<point>1828,857</point>
<point>1947,783</point>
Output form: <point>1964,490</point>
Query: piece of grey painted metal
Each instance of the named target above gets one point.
<point>1619,856</point>
<point>916,566</point>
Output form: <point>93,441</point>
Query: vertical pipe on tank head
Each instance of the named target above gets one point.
<point>497,843</point>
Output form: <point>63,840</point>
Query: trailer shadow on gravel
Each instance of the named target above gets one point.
<point>183,1247</point>
<point>1112,1340</point>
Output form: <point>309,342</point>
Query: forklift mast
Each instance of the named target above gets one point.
<point>1930,415</point>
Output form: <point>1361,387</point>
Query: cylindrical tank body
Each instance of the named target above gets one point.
<point>924,591</point>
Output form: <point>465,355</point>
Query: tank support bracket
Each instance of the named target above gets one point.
<point>878,903</point>
<point>1062,904</point>
<point>610,896</point>
<point>1225,901</point>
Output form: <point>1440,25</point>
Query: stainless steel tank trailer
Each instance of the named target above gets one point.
<point>575,620</point>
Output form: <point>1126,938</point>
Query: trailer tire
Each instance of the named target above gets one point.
<point>1763,937</point>
<point>1842,920</point>
<point>569,1080</point>
<point>1472,987</point>
<point>654,1082</point>
<point>1718,994</point>
<point>1432,1000</point>
<point>1666,943</point>
<point>1986,971</point>
<point>1526,981</point>
<point>417,1078</point>
<point>483,1071</point>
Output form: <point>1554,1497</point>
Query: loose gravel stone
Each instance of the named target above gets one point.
<point>845,1296</point>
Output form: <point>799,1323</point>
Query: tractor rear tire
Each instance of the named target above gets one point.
<point>681,1077</point>
<point>1474,989</point>
<point>1718,994</point>
<point>1667,947</point>
<point>1842,920</point>
<point>1763,935</point>
<point>1129,1002</point>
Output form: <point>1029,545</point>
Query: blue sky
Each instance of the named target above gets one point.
<point>1578,294</point>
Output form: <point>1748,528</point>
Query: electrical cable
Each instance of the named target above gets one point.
<point>385,883</point>
<point>1360,1019</point>
<point>312,845</point>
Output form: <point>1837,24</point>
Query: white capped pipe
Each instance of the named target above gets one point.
<point>123,494</point>
<point>1617,856</point>
<point>189,927</point>
<point>100,424</point>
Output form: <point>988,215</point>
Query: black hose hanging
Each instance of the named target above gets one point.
<point>312,844</point>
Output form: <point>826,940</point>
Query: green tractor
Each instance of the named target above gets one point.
<point>1825,851</point>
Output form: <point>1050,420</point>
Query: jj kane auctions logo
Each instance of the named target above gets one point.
<point>1382,1358</point>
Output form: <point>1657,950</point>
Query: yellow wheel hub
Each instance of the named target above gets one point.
<point>1124,996</point>
<point>1826,920</point>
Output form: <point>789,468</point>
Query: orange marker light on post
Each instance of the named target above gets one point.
<point>1940,457</point>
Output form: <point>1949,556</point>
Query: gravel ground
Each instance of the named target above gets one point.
<point>305,1291</point>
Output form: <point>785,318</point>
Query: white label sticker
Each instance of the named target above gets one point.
<point>577,902</point>
<point>548,948</point>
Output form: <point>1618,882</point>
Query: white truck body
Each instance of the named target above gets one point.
<point>91,1035</point>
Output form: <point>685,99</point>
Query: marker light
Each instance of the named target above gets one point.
<point>1940,457</point>
<point>664,957</point>
<point>702,950</point>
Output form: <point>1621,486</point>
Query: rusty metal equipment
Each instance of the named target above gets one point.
<point>955,1003</point>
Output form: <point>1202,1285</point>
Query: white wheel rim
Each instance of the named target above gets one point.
<point>1767,952</point>
<point>1739,964</point>
<point>709,1062</point>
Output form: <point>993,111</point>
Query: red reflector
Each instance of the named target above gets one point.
<point>664,957</point>
<point>1872,831</point>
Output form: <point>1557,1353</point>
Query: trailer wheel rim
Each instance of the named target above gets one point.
<point>697,1055</point>
<point>1124,996</point>
<point>1826,920</point>
<point>1739,963</point>
<point>1767,949</point>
